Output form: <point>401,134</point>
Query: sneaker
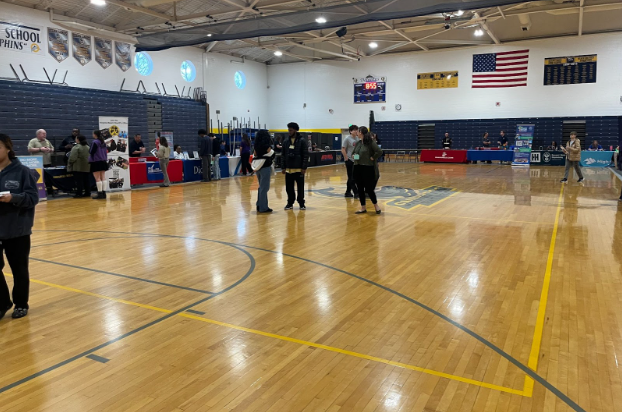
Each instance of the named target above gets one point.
<point>563,181</point>
<point>348,194</point>
<point>289,207</point>
<point>266,211</point>
<point>4,311</point>
<point>19,313</point>
<point>580,180</point>
<point>303,207</point>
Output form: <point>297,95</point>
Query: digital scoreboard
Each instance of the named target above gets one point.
<point>370,90</point>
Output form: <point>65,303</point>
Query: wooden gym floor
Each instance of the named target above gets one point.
<point>480,288</point>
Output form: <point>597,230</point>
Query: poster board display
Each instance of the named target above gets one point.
<point>114,130</point>
<point>522,145</point>
<point>35,164</point>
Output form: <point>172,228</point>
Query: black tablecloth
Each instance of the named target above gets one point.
<point>63,180</point>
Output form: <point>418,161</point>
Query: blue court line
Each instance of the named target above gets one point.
<point>534,375</point>
<point>135,331</point>
<point>96,358</point>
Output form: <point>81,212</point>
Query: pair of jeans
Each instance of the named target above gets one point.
<point>217,167</point>
<point>299,180</point>
<point>83,183</point>
<point>205,165</point>
<point>577,168</point>
<point>263,176</point>
<point>365,177</point>
<point>351,185</point>
<point>164,167</point>
<point>246,165</point>
<point>17,252</point>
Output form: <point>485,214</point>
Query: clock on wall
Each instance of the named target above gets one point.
<point>398,107</point>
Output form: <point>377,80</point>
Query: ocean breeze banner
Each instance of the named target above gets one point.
<point>522,144</point>
<point>35,164</point>
<point>103,52</point>
<point>58,44</point>
<point>123,55</point>
<point>20,38</point>
<point>82,50</point>
<point>437,80</point>
<point>114,131</point>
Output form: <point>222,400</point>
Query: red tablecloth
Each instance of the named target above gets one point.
<point>443,156</point>
<point>138,171</point>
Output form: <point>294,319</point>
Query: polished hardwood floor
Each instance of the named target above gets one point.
<point>479,288</point>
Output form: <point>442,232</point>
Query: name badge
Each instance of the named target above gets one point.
<point>357,157</point>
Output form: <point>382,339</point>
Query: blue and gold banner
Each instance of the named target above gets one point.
<point>437,80</point>
<point>58,44</point>
<point>570,70</point>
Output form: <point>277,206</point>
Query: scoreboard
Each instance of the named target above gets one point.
<point>370,90</point>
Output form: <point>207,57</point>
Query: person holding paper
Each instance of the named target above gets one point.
<point>137,147</point>
<point>18,198</point>
<point>573,157</point>
<point>163,154</point>
<point>262,165</point>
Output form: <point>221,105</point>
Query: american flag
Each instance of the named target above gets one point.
<point>506,69</point>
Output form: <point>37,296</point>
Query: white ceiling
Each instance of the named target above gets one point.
<point>545,19</point>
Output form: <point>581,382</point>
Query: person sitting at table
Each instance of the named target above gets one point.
<point>486,144</point>
<point>78,164</point>
<point>179,155</point>
<point>595,147</point>
<point>137,147</point>
<point>553,146</point>
<point>315,148</point>
<point>69,143</point>
<point>447,142</point>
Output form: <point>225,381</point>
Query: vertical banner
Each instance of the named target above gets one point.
<point>103,52</point>
<point>35,164</point>
<point>169,140</point>
<point>21,38</point>
<point>82,50</point>
<point>522,145</point>
<point>58,44</point>
<point>114,131</point>
<point>123,55</point>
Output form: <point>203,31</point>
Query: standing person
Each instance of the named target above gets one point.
<point>99,164</point>
<point>573,157</point>
<point>503,141</point>
<point>447,142</point>
<point>137,147</point>
<point>18,198</point>
<point>78,164</point>
<point>216,155</point>
<point>295,160</point>
<point>263,151</point>
<point>486,144</point>
<point>278,150</point>
<point>41,146</point>
<point>205,151</point>
<point>366,155</point>
<point>163,154</point>
<point>224,148</point>
<point>347,150</point>
<point>69,143</point>
<point>245,153</point>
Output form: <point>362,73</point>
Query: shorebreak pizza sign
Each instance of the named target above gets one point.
<point>20,38</point>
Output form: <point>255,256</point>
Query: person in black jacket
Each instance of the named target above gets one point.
<point>263,151</point>
<point>68,144</point>
<point>18,197</point>
<point>295,159</point>
<point>205,151</point>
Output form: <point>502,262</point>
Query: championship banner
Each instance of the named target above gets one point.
<point>17,37</point>
<point>35,164</point>
<point>123,55</point>
<point>103,52</point>
<point>114,132</point>
<point>58,44</point>
<point>82,51</point>
<point>522,144</point>
<point>570,70</point>
<point>437,80</point>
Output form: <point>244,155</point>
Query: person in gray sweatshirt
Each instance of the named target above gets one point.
<point>18,198</point>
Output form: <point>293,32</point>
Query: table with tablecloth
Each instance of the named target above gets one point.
<point>148,171</point>
<point>443,156</point>
<point>322,158</point>
<point>63,180</point>
<point>490,155</point>
<point>596,159</point>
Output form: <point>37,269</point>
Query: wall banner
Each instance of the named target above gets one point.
<point>35,164</point>
<point>82,50</point>
<point>114,130</point>
<point>25,39</point>
<point>123,55</point>
<point>570,70</point>
<point>103,52</point>
<point>437,80</point>
<point>58,44</point>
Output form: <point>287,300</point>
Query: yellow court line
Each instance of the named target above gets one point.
<point>544,296</point>
<point>293,340</point>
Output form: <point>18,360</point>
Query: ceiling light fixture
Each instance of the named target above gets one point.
<point>321,20</point>
<point>98,2</point>
<point>459,13</point>
<point>278,53</point>
<point>209,35</point>
<point>373,45</point>
<point>479,32</point>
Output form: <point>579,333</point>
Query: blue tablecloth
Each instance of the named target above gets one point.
<point>192,170</point>
<point>484,155</point>
<point>596,159</point>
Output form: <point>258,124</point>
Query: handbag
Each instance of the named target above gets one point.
<point>259,162</point>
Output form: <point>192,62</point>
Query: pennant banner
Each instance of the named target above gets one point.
<point>82,51</point>
<point>58,44</point>
<point>123,55</point>
<point>103,52</point>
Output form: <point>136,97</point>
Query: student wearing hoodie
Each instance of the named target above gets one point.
<point>18,197</point>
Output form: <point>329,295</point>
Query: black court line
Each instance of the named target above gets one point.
<point>99,359</point>
<point>534,375</point>
<point>135,331</point>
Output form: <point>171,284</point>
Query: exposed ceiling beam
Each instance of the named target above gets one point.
<point>422,47</point>
<point>486,28</point>
<point>389,48</point>
<point>245,10</point>
<point>344,56</point>
<point>139,9</point>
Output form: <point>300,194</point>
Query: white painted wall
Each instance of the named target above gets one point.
<point>328,85</point>
<point>215,72</point>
